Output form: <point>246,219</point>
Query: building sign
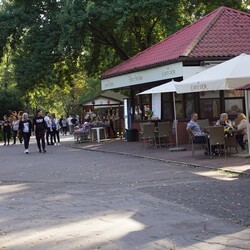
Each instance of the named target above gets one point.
<point>198,87</point>
<point>150,75</point>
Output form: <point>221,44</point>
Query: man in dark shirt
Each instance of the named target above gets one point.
<point>40,127</point>
<point>74,121</point>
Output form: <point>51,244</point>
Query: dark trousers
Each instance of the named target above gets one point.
<point>55,135</point>
<point>6,136</point>
<point>239,139</point>
<point>26,138</point>
<point>15,136</point>
<point>40,137</point>
<point>64,130</point>
<point>49,135</point>
<point>203,139</point>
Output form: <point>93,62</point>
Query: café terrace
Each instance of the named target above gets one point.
<point>215,38</point>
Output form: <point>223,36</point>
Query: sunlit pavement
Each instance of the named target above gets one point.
<point>70,198</point>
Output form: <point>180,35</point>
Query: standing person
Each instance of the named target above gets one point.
<point>55,130</point>
<point>241,135</point>
<point>60,123</point>
<point>15,126</point>
<point>64,126</point>
<point>40,127</point>
<point>49,129</point>
<point>74,123</point>
<point>19,135</point>
<point>6,130</point>
<point>70,124</point>
<point>111,129</point>
<point>24,128</point>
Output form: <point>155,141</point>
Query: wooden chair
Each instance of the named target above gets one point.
<point>148,134</point>
<point>217,138</point>
<point>191,136</point>
<point>164,129</point>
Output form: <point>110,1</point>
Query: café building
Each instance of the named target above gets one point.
<point>215,38</point>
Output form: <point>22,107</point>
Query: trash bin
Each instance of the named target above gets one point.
<point>131,134</point>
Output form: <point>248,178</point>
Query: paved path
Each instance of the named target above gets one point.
<point>236,163</point>
<point>70,198</point>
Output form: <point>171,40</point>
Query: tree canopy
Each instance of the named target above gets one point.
<point>49,44</point>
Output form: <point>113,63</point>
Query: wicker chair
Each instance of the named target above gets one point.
<point>191,136</point>
<point>164,129</point>
<point>231,142</point>
<point>148,134</point>
<point>217,138</point>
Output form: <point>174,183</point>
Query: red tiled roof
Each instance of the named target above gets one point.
<point>222,33</point>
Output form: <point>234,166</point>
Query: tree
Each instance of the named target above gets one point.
<point>50,42</point>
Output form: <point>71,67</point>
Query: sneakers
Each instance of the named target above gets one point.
<point>58,144</point>
<point>26,151</point>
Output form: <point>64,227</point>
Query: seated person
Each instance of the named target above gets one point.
<point>199,136</point>
<point>193,126</point>
<point>241,136</point>
<point>223,121</point>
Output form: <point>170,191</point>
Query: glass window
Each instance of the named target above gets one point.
<point>210,108</point>
<point>233,106</point>
<point>166,111</point>
<point>139,104</point>
<point>209,94</point>
<point>178,97</point>
<point>189,107</point>
<point>179,110</point>
<point>145,99</point>
<point>137,113</point>
<point>179,105</point>
<point>234,93</point>
<point>166,105</point>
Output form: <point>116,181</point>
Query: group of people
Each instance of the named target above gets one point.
<point>45,128</point>
<point>240,129</point>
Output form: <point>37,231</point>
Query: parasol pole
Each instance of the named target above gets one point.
<point>175,123</point>
<point>247,115</point>
<point>177,148</point>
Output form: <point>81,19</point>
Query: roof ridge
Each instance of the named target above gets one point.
<point>185,43</point>
<point>217,13</point>
<point>234,10</point>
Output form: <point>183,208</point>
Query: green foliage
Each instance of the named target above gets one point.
<point>49,48</point>
<point>10,99</point>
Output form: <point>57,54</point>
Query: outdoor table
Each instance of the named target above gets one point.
<point>97,129</point>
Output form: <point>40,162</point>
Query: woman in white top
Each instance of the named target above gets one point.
<point>241,136</point>
<point>25,127</point>
<point>223,121</point>
<point>15,127</point>
<point>55,128</point>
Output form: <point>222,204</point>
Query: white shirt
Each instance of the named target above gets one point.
<point>26,127</point>
<point>243,127</point>
<point>48,121</point>
<point>69,121</point>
